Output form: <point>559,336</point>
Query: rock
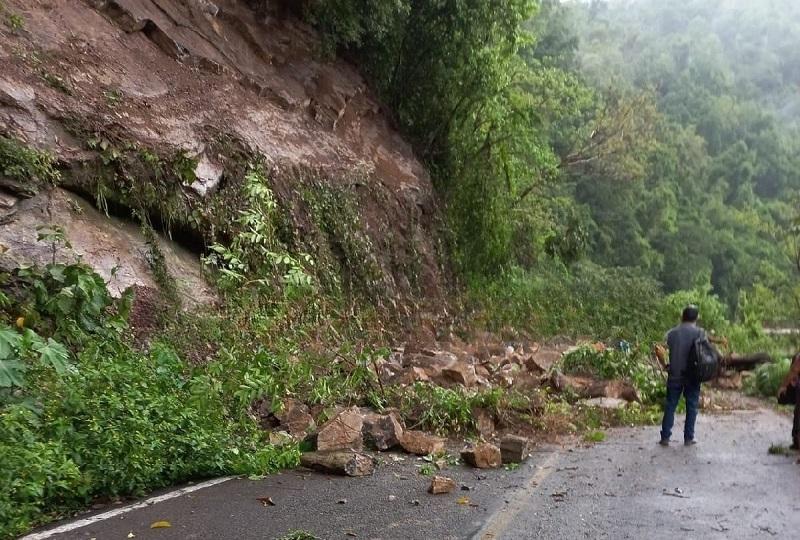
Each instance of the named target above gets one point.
<point>343,431</point>
<point>346,463</point>
<point>542,360</point>
<point>114,248</point>
<point>208,176</point>
<point>482,455</point>
<point>729,381</point>
<point>421,443</point>
<point>431,365</point>
<point>8,207</point>
<point>295,418</point>
<point>606,403</point>
<point>461,374</point>
<point>613,389</point>
<point>484,420</point>
<point>382,432</point>
<point>441,484</point>
<point>410,375</point>
<point>514,449</point>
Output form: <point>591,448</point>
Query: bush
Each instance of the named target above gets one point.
<point>767,378</point>
<point>633,365</point>
<point>36,473</point>
<point>101,418</point>
<point>585,300</point>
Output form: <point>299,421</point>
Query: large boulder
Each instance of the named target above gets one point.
<point>342,432</point>
<point>295,418</point>
<point>382,431</point>
<point>482,455</point>
<point>421,443</point>
<point>514,449</point>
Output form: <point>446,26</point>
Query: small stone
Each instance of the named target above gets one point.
<point>482,455</point>
<point>441,484</point>
<point>421,443</point>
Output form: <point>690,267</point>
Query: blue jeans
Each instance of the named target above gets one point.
<point>690,391</point>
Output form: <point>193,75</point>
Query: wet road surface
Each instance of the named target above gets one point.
<point>727,486</point>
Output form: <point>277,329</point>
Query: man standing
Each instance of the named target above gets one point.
<point>792,380</point>
<point>680,341</point>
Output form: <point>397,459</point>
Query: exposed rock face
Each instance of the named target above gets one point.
<point>116,249</point>
<point>184,76</point>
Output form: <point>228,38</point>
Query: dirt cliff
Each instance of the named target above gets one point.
<point>157,108</point>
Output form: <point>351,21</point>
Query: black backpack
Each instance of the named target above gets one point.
<point>704,360</point>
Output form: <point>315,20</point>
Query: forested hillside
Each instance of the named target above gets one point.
<point>721,170</point>
<point>639,144</point>
<point>222,219</point>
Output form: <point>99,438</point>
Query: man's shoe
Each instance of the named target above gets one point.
<point>664,442</point>
<point>689,442</point>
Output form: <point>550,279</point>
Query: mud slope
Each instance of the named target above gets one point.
<point>178,76</point>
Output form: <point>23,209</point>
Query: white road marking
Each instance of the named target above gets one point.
<point>124,510</point>
<point>502,519</point>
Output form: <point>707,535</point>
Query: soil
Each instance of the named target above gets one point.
<point>174,73</point>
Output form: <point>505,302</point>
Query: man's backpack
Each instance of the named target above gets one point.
<point>704,360</point>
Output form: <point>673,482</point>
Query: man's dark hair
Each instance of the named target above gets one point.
<point>690,314</point>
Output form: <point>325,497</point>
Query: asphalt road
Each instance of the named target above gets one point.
<point>627,487</point>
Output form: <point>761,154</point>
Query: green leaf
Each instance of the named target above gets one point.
<point>9,342</point>
<point>56,355</point>
<point>11,372</point>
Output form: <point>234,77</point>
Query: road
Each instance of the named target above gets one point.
<point>626,487</point>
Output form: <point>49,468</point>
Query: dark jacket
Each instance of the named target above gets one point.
<point>680,341</point>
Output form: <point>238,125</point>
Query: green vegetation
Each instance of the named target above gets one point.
<point>600,165</point>
<point>84,414</point>
<point>595,436</point>
<point>778,450</point>
<point>14,21</point>
<point>449,411</point>
<point>298,535</point>
<point>767,378</point>
<point>656,142</point>
<point>26,169</point>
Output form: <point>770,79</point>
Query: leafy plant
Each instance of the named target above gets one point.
<point>595,436</point>
<point>255,254</point>
<point>28,168</point>
<point>767,378</point>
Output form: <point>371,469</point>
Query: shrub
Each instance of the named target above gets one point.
<point>767,378</point>
<point>633,365</point>
<point>585,300</point>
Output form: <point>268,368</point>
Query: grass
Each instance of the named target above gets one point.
<point>596,436</point>
<point>779,450</point>
<point>298,535</point>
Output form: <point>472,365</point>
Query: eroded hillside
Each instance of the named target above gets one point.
<point>156,109</point>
